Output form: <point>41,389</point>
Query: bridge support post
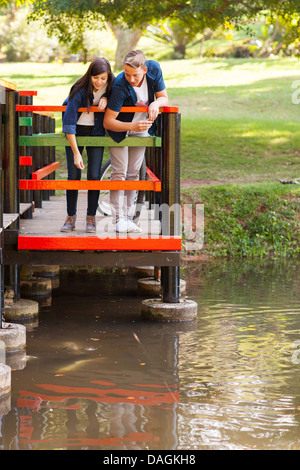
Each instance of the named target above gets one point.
<point>170,198</point>
<point>2,102</point>
<point>170,307</point>
<point>12,336</point>
<point>5,371</point>
<point>11,205</point>
<point>11,193</point>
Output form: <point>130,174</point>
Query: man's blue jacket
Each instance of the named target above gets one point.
<point>123,94</point>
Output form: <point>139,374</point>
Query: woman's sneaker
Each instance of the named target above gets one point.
<point>69,224</point>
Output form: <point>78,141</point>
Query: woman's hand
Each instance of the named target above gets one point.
<point>78,160</point>
<point>102,103</point>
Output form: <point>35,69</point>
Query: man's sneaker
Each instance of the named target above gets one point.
<point>132,227</point>
<point>90,224</point>
<point>69,224</point>
<point>121,226</point>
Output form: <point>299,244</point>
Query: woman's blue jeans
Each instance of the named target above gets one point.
<point>94,157</point>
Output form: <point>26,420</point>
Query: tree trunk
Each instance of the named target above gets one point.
<point>127,41</point>
<point>265,51</point>
<point>179,51</point>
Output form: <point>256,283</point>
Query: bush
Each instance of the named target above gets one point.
<point>249,220</point>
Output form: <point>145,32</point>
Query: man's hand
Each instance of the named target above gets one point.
<point>141,126</point>
<point>153,110</point>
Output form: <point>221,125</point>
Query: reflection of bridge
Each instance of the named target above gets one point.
<point>110,398</point>
<point>31,210</point>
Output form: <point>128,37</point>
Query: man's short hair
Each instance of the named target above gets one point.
<point>135,59</point>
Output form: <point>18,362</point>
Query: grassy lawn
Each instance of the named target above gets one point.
<point>238,120</point>
<point>240,135</point>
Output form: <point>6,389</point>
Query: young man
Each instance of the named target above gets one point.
<point>140,84</point>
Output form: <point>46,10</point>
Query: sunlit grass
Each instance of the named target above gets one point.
<point>239,122</point>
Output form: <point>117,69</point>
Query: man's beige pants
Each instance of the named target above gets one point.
<point>126,163</point>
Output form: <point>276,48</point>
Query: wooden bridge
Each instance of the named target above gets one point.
<point>31,211</point>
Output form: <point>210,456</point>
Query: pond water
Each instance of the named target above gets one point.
<point>97,377</point>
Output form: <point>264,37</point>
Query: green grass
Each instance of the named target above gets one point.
<point>240,150</point>
<point>238,120</point>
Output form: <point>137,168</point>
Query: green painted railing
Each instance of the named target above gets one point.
<point>59,140</point>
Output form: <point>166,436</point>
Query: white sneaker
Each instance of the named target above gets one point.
<point>121,225</point>
<point>127,226</point>
<point>132,227</point>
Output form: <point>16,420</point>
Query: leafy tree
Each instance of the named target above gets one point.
<point>68,19</point>
<point>140,13</point>
<point>22,42</point>
<point>281,35</point>
<point>177,33</point>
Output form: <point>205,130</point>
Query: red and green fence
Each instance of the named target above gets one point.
<point>28,143</point>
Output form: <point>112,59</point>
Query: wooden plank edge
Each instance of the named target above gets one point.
<point>45,171</point>
<point>25,161</point>
<point>89,184</point>
<point>93,109</point>
<point>134,242</point>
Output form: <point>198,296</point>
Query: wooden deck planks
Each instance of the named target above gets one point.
<point>42,232</point>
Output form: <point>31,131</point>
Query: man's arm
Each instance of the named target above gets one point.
<point>111,123</point>
<point>161,101</point>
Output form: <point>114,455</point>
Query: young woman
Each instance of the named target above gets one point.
<point>92,89</point>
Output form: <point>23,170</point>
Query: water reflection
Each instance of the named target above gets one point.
<point>246,395</point>
<point>97,377</point>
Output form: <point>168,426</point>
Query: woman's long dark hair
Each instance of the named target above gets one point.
<point>98,66</point>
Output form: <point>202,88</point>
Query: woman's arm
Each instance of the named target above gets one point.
<point>70,116</point>
<point>77,155</point>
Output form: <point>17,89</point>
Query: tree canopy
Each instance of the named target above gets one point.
<point>139,13</point>
<point>68,19</point>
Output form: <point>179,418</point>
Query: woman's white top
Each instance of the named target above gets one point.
<point>87,119</point>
